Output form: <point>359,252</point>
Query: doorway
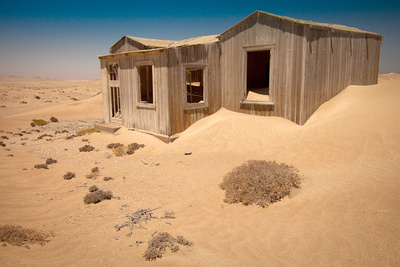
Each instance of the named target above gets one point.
<point>258,75</point>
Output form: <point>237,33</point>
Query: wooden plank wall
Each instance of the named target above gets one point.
<point>207,55</point>
<point>309,65</point>
<point>126,44</point>
<point>105,91</point>
<point>285,68</point>
<point>149,117</point>
<point>334,60</point>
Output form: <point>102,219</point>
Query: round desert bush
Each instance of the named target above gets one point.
<point>97,196</point>
<point>69,175</point>
<point>86,148</point>
<point>259,182</point>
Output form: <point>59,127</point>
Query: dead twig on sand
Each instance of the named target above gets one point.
<point>137,218</point>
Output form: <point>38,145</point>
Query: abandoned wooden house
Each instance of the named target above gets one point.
<point>264,65</point>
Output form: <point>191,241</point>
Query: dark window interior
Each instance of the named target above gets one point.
<point>146,83</point>
<point>194,85</point>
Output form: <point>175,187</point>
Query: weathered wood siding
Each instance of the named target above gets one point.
<point>333,60</point>
<point>208,56</point>
<point>286,42</point>
<point>150,117</point>
<point>309,65</point>
<point>126,44</point>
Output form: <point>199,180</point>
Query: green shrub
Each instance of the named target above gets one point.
<point>18,236</point>
<point>259,182</point>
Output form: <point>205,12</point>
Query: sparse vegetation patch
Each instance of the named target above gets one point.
<point>50,161</point>
<point>41,166</point>
<point>119,149</point>
<point>86,148</point>
<point>39,122</point>
<point>18,236</point>
<point>86,131</point>
<point>69,175</point>
<point>97,196</point>
<point>259,182</point>
<point>160,242</point>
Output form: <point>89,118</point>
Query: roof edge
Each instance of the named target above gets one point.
<point>308,23</point>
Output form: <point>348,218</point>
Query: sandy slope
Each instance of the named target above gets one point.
<point>347,212</point>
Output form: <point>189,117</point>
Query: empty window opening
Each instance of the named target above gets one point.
<point>146,83</point>
<point>258,75</point>
<point>113,71</point>
<point>115,102</point>
<point>195,85</point>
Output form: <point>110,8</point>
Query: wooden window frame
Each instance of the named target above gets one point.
<point>114,91</point>
<point>247,49</point>
<point>205,85</point>
<point>141,103</point>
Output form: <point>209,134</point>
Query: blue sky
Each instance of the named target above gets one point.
<point>62,39</point>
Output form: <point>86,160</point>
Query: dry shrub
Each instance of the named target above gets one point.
<point>41,166</point>
<point>133,147</point>
<point>95,172</point>
<point>97,196</point>
<point>53,119</point>
<point>114,145</point>
<point>69,175</point>
<point>86,131</point>
<point>119,151</point>
<point>86,148</point>
<point>259,182</point>
<point>159,244</point>
<point>50,161</point>
<point>18,236</point>
<point>39,122</point>
<point>108,178</point>
<point>93,188</point>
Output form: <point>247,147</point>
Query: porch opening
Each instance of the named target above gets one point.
<point>115,102</point>
<point>258,72</point>
<point>146,84</point>
<point>195,86</point>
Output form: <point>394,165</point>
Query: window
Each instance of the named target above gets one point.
<point>115,102</point>
<point>146,84</point>
<point>113,71</point>
<point>195,85</point>
<point>114,91</point>
<point>257,77</point>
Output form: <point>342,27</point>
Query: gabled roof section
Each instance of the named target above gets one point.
<point>130,43</point>
<point>303,22</point>
<point>151,43</point>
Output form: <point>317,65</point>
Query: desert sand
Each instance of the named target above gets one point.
<point>346,213</point>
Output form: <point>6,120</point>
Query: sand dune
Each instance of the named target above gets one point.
<point>347,212</point>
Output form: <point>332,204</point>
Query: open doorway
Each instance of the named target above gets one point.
<point>258,72</point>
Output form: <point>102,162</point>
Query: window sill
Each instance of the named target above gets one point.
<point>146,105</point>
<point>251,102</point>
<point>195,106</point>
